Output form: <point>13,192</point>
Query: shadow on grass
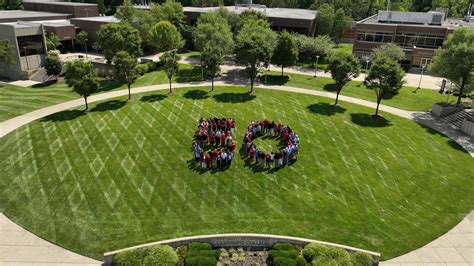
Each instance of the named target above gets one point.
<point>153,98</point>
<point>332,87</point>
<point>232,97</point>
<point>45,84</point>
<point>275,79</point>
<point>326,109</point>
<point>108,85</point>
<point>367,120</point>
<point>108,106</point>
<point>453,144</point>
<point>196,95</point>
<point>63,116</point>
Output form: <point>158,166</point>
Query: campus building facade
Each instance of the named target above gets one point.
<point>419,34</point>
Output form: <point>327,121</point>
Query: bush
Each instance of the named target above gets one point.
<point>283,261</point>
<point>292,254</point>
<point>199,246</point>
<point>182,251</point>
<point>201,261</point>
<point>152,66</point>
<point>326,255</point>
<point>131,257</point>
<point>142,69</point>
<point>161,255</point>
<point>362,259</point>
<point>300,261</point>
<point>203,253</point>
<point>313,250</point>
<point>284,246</point>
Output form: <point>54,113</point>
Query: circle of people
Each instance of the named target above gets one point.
<point>215,134</point>
<point>277,159</point>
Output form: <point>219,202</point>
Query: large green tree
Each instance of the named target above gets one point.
<point>390,50</point>
<point>171,11</point>
<point>81,75</point>
<point>126,69</point>
<point>343,68</point>
<point>385,78</point>
<point>325,19</point>
<point>340,25</point>
<point>310,48</point>
<point>82,38</point>
<point>52,64</point>
<point>254,47</point>
<point>455,60</point>
<point>114,37</point>
<point>169,61</point>
<point>165,37</point>
<point>140,19</point>
<point>213,37</point>
<point>286,52</point>
<point>6,54</point>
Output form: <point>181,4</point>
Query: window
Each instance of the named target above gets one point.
<point>30,45</point>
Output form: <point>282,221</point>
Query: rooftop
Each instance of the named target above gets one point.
<point>60,3</point>
<point>430,19</point>
<point>19,14</point>
<point>292,13</point>
<point>22,24</point>
<point>110,19</point>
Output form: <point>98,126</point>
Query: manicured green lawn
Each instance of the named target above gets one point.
<point>123,174</point>
<point>322,64</point>
<point>15,101</point>
<point>406,99</point>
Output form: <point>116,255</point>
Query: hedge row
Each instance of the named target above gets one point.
<point>157,255</point>
<point>201,254</point>
<point>285,254</point>
<point>317,254</point>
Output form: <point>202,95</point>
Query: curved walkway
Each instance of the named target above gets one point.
<point>20,250</point>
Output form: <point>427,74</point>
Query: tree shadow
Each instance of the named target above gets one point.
<point>196,95</point>
<point>275,79</point>
<point>367,120</point>
<point>332,87</point>
<point>108,85</point>
<point>63,116</point>
<point>45,84</point>
<point>232,97</point>
<point>326,109</point>
<point>108,106</point>
<point>153,98</point>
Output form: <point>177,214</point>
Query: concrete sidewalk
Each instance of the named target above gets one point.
<point>20,247</point>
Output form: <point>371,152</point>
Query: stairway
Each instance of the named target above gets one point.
<point>455,119</point>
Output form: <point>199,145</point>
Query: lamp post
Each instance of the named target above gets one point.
<point>421,76</point>
<point>316,66</point>
<point>367,61</point>
<point>26,58</point>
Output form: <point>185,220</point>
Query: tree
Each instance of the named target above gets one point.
<point>114,37</point>
<point>286,52</point>
<point>343,68</point>
<point>340,25</point>
<point>52,41</point>
<point>254,47</point>
<point>11,4</point>
<point>213,37</point>
<point>81,75</point>
<point>6,54</point>
<point>390,50</point>
<point>170,60</point>
<point>101,7</point>
<point>455,60</point>
<point>171,11</point>
<point>81,39</point>
<point>165,37</point>
<point>385,78</point>
<point>126,69</point>
<point>53,64</point>
<point>310,48</point>
<point>325,19</point>
<point>213,57</point>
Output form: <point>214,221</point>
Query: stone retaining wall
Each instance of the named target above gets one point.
<point>252,241</point>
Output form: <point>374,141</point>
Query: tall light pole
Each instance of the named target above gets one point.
<point>367,61</point>
<point>316,66</point>
<point>421,76</point>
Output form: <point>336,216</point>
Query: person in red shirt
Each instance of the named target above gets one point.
<point>223,137</point>
<point>232,145</point>
<point>208,161</point>
<point>212,139</point>
<point>252,153</point>
<point>265,126</point>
